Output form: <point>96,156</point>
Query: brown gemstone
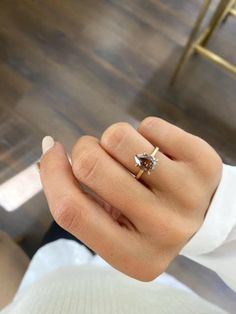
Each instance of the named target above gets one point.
<point>145,162</point>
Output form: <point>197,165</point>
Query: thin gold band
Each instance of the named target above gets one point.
<point>141,171</point>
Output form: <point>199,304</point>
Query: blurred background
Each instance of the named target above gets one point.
<point>73,67</point>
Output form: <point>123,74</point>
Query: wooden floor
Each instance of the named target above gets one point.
<point>73,67</point>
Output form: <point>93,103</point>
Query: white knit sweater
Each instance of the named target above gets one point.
<point>97,290</point>
<point>91,289</point>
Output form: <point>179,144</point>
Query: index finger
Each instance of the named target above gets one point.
<point>81,215</point>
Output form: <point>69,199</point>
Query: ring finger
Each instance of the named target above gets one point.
<point>123,142</point>
<point>96,169</point>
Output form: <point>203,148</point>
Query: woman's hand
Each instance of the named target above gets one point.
<point>136,226</point>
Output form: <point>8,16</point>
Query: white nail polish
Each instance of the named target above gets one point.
<point>47,143</point>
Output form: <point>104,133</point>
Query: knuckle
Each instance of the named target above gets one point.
<point>68,215</point>
<point>82,143</point>
<point>84,166</point>
<point>147,122</point>
<point>114,135</point>
<point>63,212</point>
<point>84,157</point>
<point>204,154</point>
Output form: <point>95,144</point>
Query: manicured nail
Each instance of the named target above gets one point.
<point>69,158</point>
<point>47,143</point>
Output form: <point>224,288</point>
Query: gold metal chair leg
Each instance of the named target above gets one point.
<point>189,46</point>
<point>216,58</point>
<point>232,12</point>
<point>217,19</point>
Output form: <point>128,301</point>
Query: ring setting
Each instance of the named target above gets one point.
<point>146,162</point>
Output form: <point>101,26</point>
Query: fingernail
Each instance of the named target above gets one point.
<point>69,158</point>
<point>47,143</point>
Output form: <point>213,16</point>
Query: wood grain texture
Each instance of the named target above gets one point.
<point>70,67</point>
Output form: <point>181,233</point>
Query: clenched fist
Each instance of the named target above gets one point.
<point>138,226</point>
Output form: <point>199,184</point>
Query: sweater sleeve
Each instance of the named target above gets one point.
<point>214,245</point>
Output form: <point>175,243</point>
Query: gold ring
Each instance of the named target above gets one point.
<point>146,162</point>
